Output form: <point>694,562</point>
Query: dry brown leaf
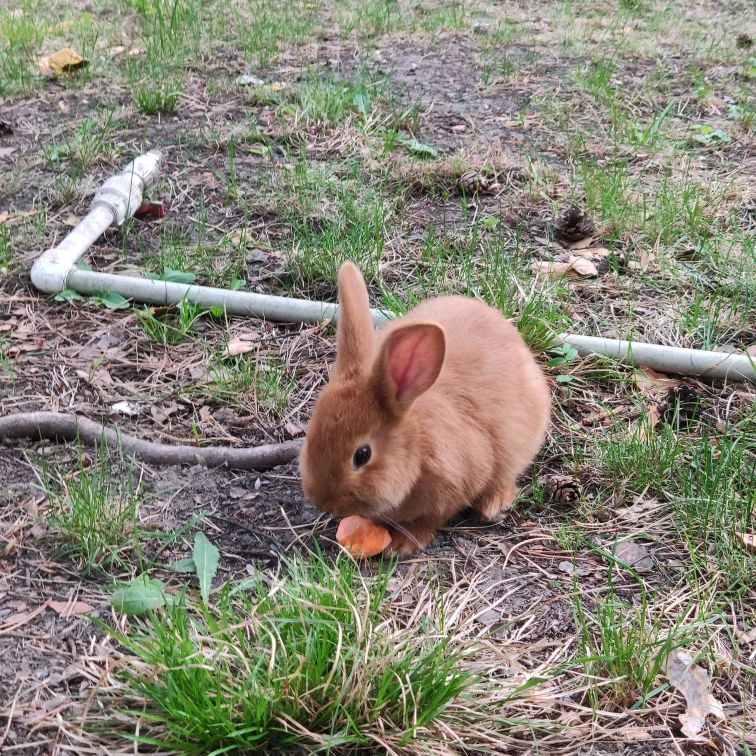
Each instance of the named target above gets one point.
<point>244,342</point>
<point>653,384</point>
<point>648,423</point>
<point>693,682</point>
<point>62,61</point>
<point>748,636</point>
<point>581,243</point>
<point>646,259</point>
<point>638,510</point>
<point>68,609</point>
<point>277,86</point>
<point>240,237</point>
<point>12,623</point>
<point>575,267</point>
<point>593,253</point>
<point>293,429</point>
<point>634,555</point>
<point>748,540</point>
<point>6,216</point>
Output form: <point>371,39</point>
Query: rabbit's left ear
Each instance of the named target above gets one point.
<point>355,335</point>
<point>409,361</point>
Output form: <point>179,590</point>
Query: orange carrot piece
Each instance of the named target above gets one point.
<point>361,537</point>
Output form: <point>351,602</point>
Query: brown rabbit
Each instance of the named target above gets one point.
<point>441,409</point>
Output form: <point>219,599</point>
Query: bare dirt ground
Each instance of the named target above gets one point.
<point>525,117</point>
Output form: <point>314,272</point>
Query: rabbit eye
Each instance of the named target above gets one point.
<point>362,456</point>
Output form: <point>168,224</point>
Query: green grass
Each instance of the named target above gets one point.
<point>710,490</point>
<point>198,250</point>
<point>89,143</point>
<point>271,26</point>
<point>21,37</point>
<point>173,325</point>
<point>624,648</point>
<point>333,216</point>
<point>170,38</point>
<point>6,365</point>
<point>369,19</point>
<point>311,663</point>
<point>7,257</point>
<point>252,382</point>
<point>159,97</point>
<point>94,513</point>
<point>325,99</point>
<point>667,210</point>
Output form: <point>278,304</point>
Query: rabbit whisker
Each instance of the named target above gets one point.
<point>384,519</point>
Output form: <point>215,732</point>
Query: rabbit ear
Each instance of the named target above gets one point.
<point>355,337</point>
<point>409,362</point>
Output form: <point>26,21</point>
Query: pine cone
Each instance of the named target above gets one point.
<point>573,224</point>
<point>684,399</point>
<point>474,182</point>
<point>564,489</point>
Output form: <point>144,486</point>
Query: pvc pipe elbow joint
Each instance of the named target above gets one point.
<point>117,199</point>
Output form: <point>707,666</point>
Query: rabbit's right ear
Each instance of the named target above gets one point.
<point>355,336</point>
<point>410,359</point>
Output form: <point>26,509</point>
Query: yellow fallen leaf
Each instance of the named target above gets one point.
<point>277,86</point>
<point>62,61</point>
<point>240,236</point>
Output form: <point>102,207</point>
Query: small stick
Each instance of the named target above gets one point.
<point>68,427</point>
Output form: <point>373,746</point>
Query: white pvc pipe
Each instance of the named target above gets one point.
<point>667,359</point>
<point>120,197</point>
<point>267,307</point>
<point>244,303</point>
<point>115,201</point>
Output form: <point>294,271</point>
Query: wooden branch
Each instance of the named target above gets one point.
<point>58,426</point>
